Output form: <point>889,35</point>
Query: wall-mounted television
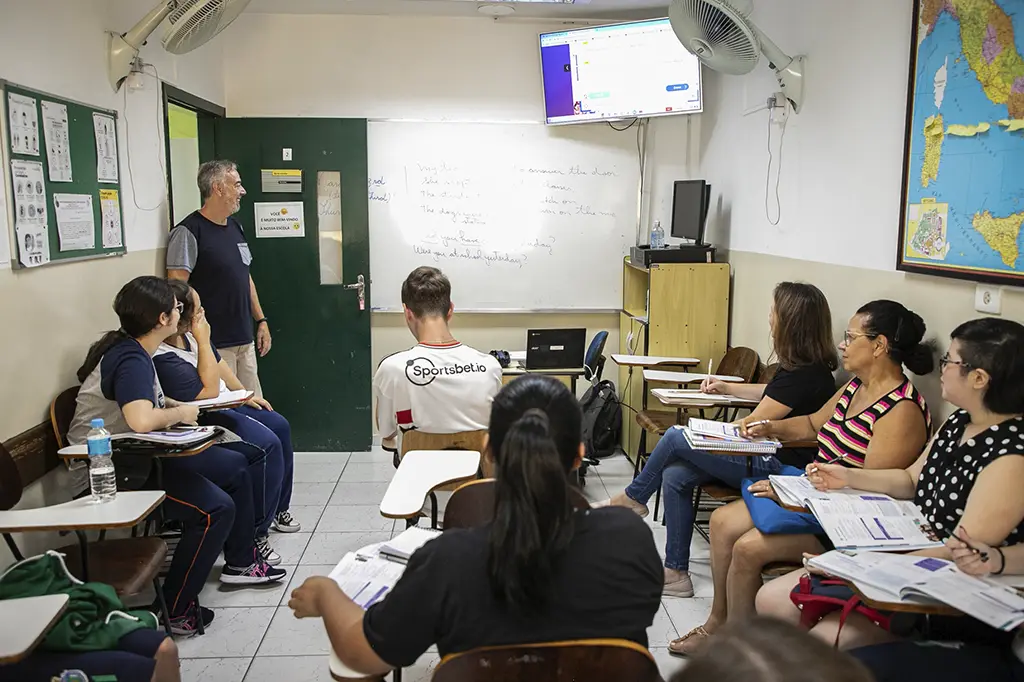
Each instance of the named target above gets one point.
<point>638,69</point>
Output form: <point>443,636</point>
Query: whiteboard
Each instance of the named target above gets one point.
<point>519,216</point>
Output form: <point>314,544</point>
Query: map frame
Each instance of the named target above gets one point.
<point>960,272</point>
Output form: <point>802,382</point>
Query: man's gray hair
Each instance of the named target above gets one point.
<point>210,173</point>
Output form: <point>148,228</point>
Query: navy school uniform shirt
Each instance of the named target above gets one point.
<point>608,583</point>
<point>124,375</point>
<point>217,258</point>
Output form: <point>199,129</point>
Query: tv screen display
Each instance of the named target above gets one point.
<point>639,69</point>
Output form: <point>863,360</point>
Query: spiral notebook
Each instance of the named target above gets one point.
<point>704,434</point>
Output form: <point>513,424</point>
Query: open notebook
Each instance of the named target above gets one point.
<point>224,401</point>
<point>704,434</point>
<point>403,545</point>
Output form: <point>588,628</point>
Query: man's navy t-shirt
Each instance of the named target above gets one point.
<point>217,258</point>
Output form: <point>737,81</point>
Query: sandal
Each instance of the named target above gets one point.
<point>690,643</point>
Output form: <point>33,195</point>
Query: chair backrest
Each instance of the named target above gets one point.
<point>472,504</point>
<point>62,411</point>
<point>767,374</point>
<point>594,660</point>
<point>594,360</point>
<point>741,362</point>
<point>421,440</point>
<point>10,480</point>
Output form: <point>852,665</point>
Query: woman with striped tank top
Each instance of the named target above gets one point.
<point>876,421</point>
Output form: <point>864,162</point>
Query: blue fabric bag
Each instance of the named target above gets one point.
<point>770,517</point>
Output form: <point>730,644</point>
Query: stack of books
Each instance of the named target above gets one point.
<point>704,434</point>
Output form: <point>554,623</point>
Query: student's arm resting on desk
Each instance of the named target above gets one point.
<point>744,391</point>
<point>969,557</point>
<point>132,388</point>
<point>898,483</point>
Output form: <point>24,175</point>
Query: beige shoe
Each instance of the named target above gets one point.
<point>624,500</point>
<point>682,587</point>
<point>691,643</point>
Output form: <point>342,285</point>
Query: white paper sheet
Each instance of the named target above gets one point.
<point>366,580</point>
<point>58,144</point>
<point>24,121</point>
<point>106,147</point>
<point>76,224</point>
<point>110,214</point>
<point>30,220</point>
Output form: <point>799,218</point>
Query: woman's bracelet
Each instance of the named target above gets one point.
<point>1002,562</point>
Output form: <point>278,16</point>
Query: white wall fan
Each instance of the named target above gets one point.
<point>722,36</point>
<point>191,23</point>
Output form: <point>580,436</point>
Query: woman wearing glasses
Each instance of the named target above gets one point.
<point>877,421</point>
<point>969,478</point>
<point>210,494</point>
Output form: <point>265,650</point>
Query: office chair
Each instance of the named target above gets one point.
<point>594,360</point>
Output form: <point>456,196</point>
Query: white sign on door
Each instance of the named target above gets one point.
<point>284,219</point>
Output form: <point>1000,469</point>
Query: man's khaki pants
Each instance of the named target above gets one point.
<point>242,361</point>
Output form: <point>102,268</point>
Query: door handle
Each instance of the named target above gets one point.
<point>360,288</point>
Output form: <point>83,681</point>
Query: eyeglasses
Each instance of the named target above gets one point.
<point>849,337</point>
<point>179,306</point>
<point>945,360</point>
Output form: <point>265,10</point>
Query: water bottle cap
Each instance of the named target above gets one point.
<point>96,423</point>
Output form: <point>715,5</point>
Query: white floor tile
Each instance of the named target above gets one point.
<point>290,546</point>
<point>668,665</point>
<point>233,633</point>
<point>322,457</point>
<point>297,668</point>
<point>354,518</point>
<point>299,575</point>
<point>315,494</point>
<point>356,473</point>
<point>700,576</point>
<point>687,614</point>
<point>214,669</point>
<point>617,465</point>
<point>358,493</point>
<point>375,456</point>
<point>329,548</point>
<point>318,472</point>
<point>291,636</point>
<point>307,515</point>
<point>217,595</point>
<point>616,484</point>
<point>594,490</point>
<point>662,631</point>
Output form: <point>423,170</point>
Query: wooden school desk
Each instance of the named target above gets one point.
<point>24,623</point>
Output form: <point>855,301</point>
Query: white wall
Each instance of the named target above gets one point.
<point>453,69</point>
<point>52,314</point>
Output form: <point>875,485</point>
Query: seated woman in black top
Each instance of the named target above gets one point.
<point>540,572</point>
<point>801,326</point>
<point>970,473</point>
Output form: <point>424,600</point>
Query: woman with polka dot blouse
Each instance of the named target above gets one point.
<point>970,476</point>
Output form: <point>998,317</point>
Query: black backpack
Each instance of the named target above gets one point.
<point>602,420</point>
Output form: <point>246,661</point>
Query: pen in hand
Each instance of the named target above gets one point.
<point>983,555</point>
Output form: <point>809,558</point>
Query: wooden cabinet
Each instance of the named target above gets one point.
<point>669,309</point>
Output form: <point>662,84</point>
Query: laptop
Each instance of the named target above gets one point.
<point>555,348</point>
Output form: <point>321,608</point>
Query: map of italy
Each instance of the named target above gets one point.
<point>988,45</point>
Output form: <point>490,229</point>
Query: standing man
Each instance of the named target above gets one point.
<point>208,250</point>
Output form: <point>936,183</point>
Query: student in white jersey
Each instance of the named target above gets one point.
<point>439,385</point>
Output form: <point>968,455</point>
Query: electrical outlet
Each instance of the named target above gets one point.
<point>286,154</point>
<point>988,299</point>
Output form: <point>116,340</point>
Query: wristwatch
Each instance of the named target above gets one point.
<point>261,321</point>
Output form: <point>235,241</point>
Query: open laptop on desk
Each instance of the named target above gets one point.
<point>555,348</point>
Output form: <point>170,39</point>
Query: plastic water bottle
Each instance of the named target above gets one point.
<point>657,236</point>
<point>102,479</point>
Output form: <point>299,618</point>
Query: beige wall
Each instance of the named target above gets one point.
<point>943,303</point>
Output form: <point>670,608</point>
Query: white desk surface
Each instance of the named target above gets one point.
<point>24,623</point>
<point>695,399</point>
<point>685,377</point>
<point>124,511</point>
<point>420,472</point>
<point>651,360</point>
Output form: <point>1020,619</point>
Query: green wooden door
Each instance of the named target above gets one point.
<point>318,372</point>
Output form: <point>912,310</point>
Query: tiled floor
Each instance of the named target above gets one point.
<point>255,638</point>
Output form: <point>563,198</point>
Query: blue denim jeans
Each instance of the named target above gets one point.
<point>681,469</point>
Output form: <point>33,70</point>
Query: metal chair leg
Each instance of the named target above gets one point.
<point>165,613</point>
<point>199,618</point>
<point>83,545</point>
<point>433,510</point>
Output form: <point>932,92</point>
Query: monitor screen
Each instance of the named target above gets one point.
<point>689,209</point>
<point>638,69</point>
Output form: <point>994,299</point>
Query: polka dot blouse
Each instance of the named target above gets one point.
<point>950,470</point>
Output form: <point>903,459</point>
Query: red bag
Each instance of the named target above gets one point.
<point>816,597</point>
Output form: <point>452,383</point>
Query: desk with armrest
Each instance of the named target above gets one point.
<point>24,622</point>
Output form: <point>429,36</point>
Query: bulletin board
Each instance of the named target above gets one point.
<point>63,175</point>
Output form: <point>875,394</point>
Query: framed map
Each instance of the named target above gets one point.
<point>963,180</point>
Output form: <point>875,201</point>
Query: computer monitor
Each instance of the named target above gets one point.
<point>690,201</point>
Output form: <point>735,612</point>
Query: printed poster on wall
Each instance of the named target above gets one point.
<point>110,214</point>
<point>283,219</point>
<point>21,113</point>
<point>58,145</point>
<point>106,147</point>
<point>30,223</point>
<point>76,224</point>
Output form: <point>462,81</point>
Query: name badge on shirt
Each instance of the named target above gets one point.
<point>243,250</point>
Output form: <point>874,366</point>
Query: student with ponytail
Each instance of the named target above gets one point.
<point>543,570</point>
<point>210,494</point>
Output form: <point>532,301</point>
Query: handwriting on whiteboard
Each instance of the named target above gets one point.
<point>493,213</point>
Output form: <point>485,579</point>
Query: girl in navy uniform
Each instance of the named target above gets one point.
<point>210,493</point>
